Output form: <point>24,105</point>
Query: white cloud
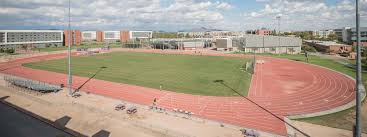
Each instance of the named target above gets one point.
<point>112,14</point>
<point>224,6</point>
<point>178,14</point>
<point>305,14</point>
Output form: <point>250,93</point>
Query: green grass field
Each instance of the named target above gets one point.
<point>179,73</point>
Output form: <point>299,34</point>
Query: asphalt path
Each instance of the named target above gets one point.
<point>14,123</point>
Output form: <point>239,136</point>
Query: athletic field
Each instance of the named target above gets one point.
<point>178,73</point>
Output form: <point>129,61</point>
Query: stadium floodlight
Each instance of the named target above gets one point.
<point>70,78</point>
<point>359,85</point>
<point>278,18</point>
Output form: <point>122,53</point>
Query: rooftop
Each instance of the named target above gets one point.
<point>326,43</point>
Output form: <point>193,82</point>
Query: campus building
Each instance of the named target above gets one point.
<point>37,38</point>
<point>330,46</point>
<point>263,32</point>
<point>223,44</point>
<point>99,36</point>
<point>115,36</point>
<point>363,38</point>
<point>111,36</point>
<point>141,34</point>
<point>124,36</point>
<point>349,35</point>
<point>322,33</point>
<point>89,36</point>
<point>75,37</point>
<point>261,44</point>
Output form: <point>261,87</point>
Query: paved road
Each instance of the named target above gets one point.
<point>16,124</point>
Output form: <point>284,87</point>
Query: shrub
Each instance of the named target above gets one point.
<point>308,48</point>
<point>10,50</point>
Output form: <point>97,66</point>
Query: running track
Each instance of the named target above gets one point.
<point>282,86</point>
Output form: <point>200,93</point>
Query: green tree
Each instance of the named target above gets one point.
<point>187,35</point>
<point>308,48</point>
<point>304,35</point>
<point>332,37</point>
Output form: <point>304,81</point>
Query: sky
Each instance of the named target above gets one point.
<point>174,15</point>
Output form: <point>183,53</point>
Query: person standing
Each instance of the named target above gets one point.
<point>306,55</point>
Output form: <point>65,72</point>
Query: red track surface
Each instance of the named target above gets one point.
<point>282,86</point>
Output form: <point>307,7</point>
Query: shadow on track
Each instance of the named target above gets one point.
<point>253,102</point>
<point>99,70</point>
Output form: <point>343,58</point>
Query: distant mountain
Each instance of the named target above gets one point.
<point>201,29</point>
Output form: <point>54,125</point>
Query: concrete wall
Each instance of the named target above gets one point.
<point>223,43</point>
<point>271,41</point>
<point>193,44</point>
<point>253,41</point>
<point>268,44</point>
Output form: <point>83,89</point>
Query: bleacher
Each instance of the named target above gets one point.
<point>31,84</point>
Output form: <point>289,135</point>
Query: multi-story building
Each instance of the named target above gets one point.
<point>322,33</point>
<point>38,38</point>
<point>250,32</point>
<point>141,34</point>
<point>99,36</point>
<point>343,34</point>
<point>339,34</point>
<point>193,34</point>
<point>75,37</point>
<point>219,34</point>
<point>111,36</point>
<point>264,32</point>
<point>114,36</point>
<point>124,36</point>
<point>89,35</point>
<point>363,38</point>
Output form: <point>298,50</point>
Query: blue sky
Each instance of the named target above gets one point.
<point>173,15</point>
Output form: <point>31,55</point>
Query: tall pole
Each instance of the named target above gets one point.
<point>358,76</point>
<point>70,79</point>
<point>278,18</point>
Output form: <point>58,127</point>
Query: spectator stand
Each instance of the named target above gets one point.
<point>30,86</point>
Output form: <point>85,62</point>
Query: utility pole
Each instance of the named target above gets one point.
<point>358,76</point>
<point>278,18</point>
<point>70,79</point>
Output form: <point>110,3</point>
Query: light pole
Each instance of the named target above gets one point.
<point>278,18</point>
<point>70,79</point>
<point>358,76</point>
